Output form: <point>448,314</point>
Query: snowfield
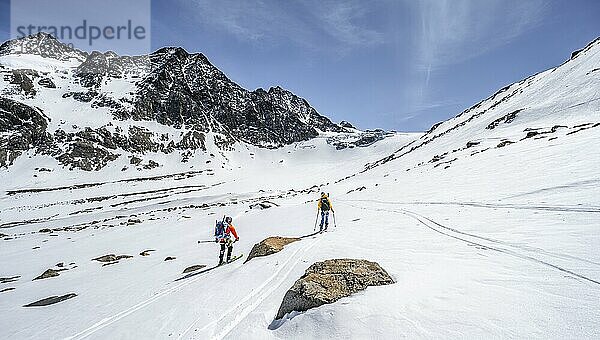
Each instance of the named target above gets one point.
<point>489,224</point>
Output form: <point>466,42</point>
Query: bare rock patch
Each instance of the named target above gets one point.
<point>111,259</point>
<point>269,246</point>
<point>193,268</point>
<point>51,300</point>
<point>9,279</point>
<point>49,273</point>
<point>263,205</point>
<point>146,252</point>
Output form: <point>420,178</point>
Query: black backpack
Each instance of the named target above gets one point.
<point>325,204</point>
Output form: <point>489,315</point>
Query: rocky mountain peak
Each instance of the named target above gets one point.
<point>99,65</point>
<point>44,45</point>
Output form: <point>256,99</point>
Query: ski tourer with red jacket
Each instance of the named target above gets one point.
<point>224,231</point>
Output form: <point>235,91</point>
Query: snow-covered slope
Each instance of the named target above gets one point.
<point>489,224</point>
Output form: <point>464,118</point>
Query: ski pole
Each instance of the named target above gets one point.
<point>316,219</point>
<point>206,241</point>
<point>334,223</point>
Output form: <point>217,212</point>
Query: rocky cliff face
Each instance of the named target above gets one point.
<point>21,128</point>
<point>182,92</point>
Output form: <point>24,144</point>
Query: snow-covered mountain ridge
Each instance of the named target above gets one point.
<point>543,108</point>
<point>90,109</point>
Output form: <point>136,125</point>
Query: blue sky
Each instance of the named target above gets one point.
<point>394,64</point>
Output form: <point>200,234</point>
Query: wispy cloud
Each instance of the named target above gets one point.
<point>313,24</point>
<point>456,30</point>
<point>423,108</point>
<point>338,20</point>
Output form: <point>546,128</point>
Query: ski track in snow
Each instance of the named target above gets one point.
<point>510,244</point>
<point>110,320</point>
<point>561,208</point>
<point>239,316</point>
<point>450,231</point>
<point>263,291</point>
<point>591,182</point>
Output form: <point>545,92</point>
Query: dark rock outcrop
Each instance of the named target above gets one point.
<point>270,246</point>
<point>51,300</point>
<point>506,119</point>
<point>22,128</point>
<point>361,139</point>
<point>24,79</point>
<point>328,281</point>
<point>9,279</point>
<point>99,65</point>
<point>146,252</point>
<point>504,143</point>
<point>47,83</point>
<point>111,258</point>
<point>471,144</point>
<point>263,205</point>
<point>49,273</point>
<point>346,124</point>
<point>133,221</point>
<point>193,268</point>
<point>86,156</point>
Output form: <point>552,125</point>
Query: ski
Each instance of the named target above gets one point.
<point>233,259</point>
<point>309,235</point>
<point>209,269</point>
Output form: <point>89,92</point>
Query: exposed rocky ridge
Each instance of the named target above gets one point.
<point>170,86</point>
<point>330,280</point>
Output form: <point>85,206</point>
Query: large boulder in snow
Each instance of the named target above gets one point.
<point>269,246</point>
<point>330,280</point>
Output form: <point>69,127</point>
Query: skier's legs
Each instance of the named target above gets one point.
<point>222,252</point>
<point>326,219</point>
<point>229,249</point>
<point>322,219</point>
